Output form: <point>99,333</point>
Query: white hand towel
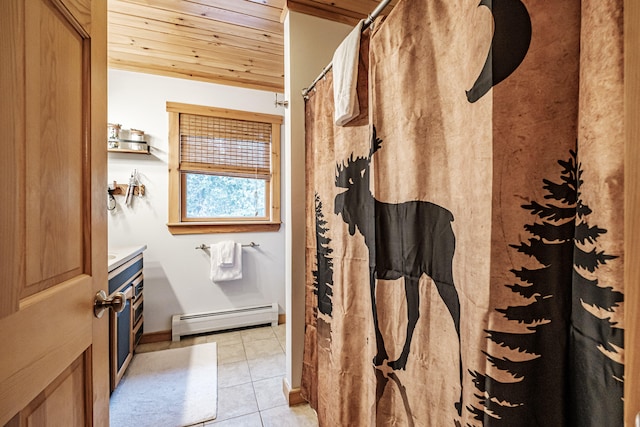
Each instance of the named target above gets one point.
<point>345,77</point>
<point>221,273</point>
<point>227,251</point>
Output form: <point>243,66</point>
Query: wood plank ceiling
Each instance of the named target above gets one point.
<point>232,42</point>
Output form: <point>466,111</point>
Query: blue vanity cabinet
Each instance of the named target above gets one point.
<point>126,326</point>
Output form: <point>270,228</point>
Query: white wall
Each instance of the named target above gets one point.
<point>309,46</point>
<point>176,274</point>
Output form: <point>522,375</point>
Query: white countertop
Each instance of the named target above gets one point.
<point>119,255</point>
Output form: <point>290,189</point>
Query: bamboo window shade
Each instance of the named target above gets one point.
<point>224,146</point>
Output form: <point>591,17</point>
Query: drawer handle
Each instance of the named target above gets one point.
<point>117,303</point>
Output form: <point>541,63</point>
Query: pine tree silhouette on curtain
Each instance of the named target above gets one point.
<point>529,384</point>
<point>596,368</point>
<point>323,276</point>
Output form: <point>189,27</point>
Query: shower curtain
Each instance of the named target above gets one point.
<point>464,233</point>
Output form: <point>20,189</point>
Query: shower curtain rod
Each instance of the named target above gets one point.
<point>365,25</point>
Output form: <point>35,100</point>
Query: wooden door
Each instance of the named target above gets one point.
<point>54,359</point>
<point>632,211</point>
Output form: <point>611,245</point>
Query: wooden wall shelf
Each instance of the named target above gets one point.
<point>124,150</point>
<point>128,146</point>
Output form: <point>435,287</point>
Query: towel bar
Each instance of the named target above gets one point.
<point>250,245</point>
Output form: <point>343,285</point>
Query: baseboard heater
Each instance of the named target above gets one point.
<point>199,323</point>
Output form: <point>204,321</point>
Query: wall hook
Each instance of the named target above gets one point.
<point>282,103</point>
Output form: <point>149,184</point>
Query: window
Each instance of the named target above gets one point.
<point>224,170</point>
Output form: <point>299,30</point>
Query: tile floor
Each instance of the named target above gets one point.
<point>251,366</point>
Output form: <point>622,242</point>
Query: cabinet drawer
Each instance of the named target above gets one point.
<point>138,286</point>
<point>137,332</point>
<point>138,305</point>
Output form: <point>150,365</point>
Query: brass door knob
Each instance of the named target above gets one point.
<point>117,303</point>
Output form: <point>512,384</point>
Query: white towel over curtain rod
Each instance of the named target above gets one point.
<point>365,25</point>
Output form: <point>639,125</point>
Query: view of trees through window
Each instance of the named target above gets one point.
<point>215,196</point>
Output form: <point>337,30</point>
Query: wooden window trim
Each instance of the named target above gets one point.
<point>176,224</point>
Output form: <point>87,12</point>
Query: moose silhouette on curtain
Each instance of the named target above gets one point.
<point>405,240</point>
